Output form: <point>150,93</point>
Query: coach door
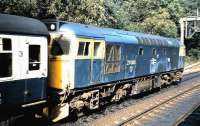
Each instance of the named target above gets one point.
<point>97,60</point>
<point>36,67</point>
<point>37,57</point>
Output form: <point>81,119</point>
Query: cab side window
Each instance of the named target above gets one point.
<point>5,57</point>
<point>83,49</point>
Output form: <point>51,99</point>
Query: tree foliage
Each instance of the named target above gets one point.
<point>150,16</point>
<point>191,6</point>
<point>16,7</point>
<point>160,23</point>
<point>83,11</point>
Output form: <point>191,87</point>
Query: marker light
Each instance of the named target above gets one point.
<point>53,27</point>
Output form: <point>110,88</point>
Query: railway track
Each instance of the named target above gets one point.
<point>186,115</point>
<point>142,109</point>
<point>192,120</point>
<point>135,120</point>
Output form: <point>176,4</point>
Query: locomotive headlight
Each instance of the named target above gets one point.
<point>52,26</point>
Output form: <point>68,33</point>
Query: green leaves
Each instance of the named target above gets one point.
<point>83,11</point>
<point>150,16</point>
<point>160,23</point>
<point>21,7</point>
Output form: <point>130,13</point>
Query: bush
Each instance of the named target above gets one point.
<point>194,54</point>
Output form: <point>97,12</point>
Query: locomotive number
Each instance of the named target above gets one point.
<point>131,62</point>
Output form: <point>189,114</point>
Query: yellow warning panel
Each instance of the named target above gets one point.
<point>55,73</point>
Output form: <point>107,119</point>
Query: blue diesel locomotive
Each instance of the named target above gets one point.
<point>23,64</point>
<point>90,65</point>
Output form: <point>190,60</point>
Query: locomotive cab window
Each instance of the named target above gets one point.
<point>83,49</point>
<point>60,46</point>
<point>5,58</point>
<point>141,51</point>
<point>34,57</point>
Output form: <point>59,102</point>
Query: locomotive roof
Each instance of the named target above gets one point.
<point>10,24</point>
<point>112,35</point>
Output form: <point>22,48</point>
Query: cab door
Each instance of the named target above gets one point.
<point>97,57</point>
<point>88,64</point>
<point>130,61</point>
<point>83,62</point>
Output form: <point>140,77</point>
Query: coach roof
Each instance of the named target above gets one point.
<point>10,24</point>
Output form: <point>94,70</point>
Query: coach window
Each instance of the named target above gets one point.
<point>6,44</point>
<point>112,58</point>
<point>154,51</point>
<point>34,57</point>
<point>83,49</point>
<point>5,57</point>
<point>141,51</point>
<point>60,46</point>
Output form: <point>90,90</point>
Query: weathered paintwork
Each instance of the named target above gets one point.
<point>90,71</point>
<point>131,65</point>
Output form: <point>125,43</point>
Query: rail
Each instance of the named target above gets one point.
<point>122,113</point>
<point>134,118</point>
<point>183,117</point>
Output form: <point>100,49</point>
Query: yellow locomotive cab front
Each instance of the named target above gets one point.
<point>60,62</point>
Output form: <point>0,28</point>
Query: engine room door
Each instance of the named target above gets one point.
<point>130,61</point>
<point>97,57</point>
